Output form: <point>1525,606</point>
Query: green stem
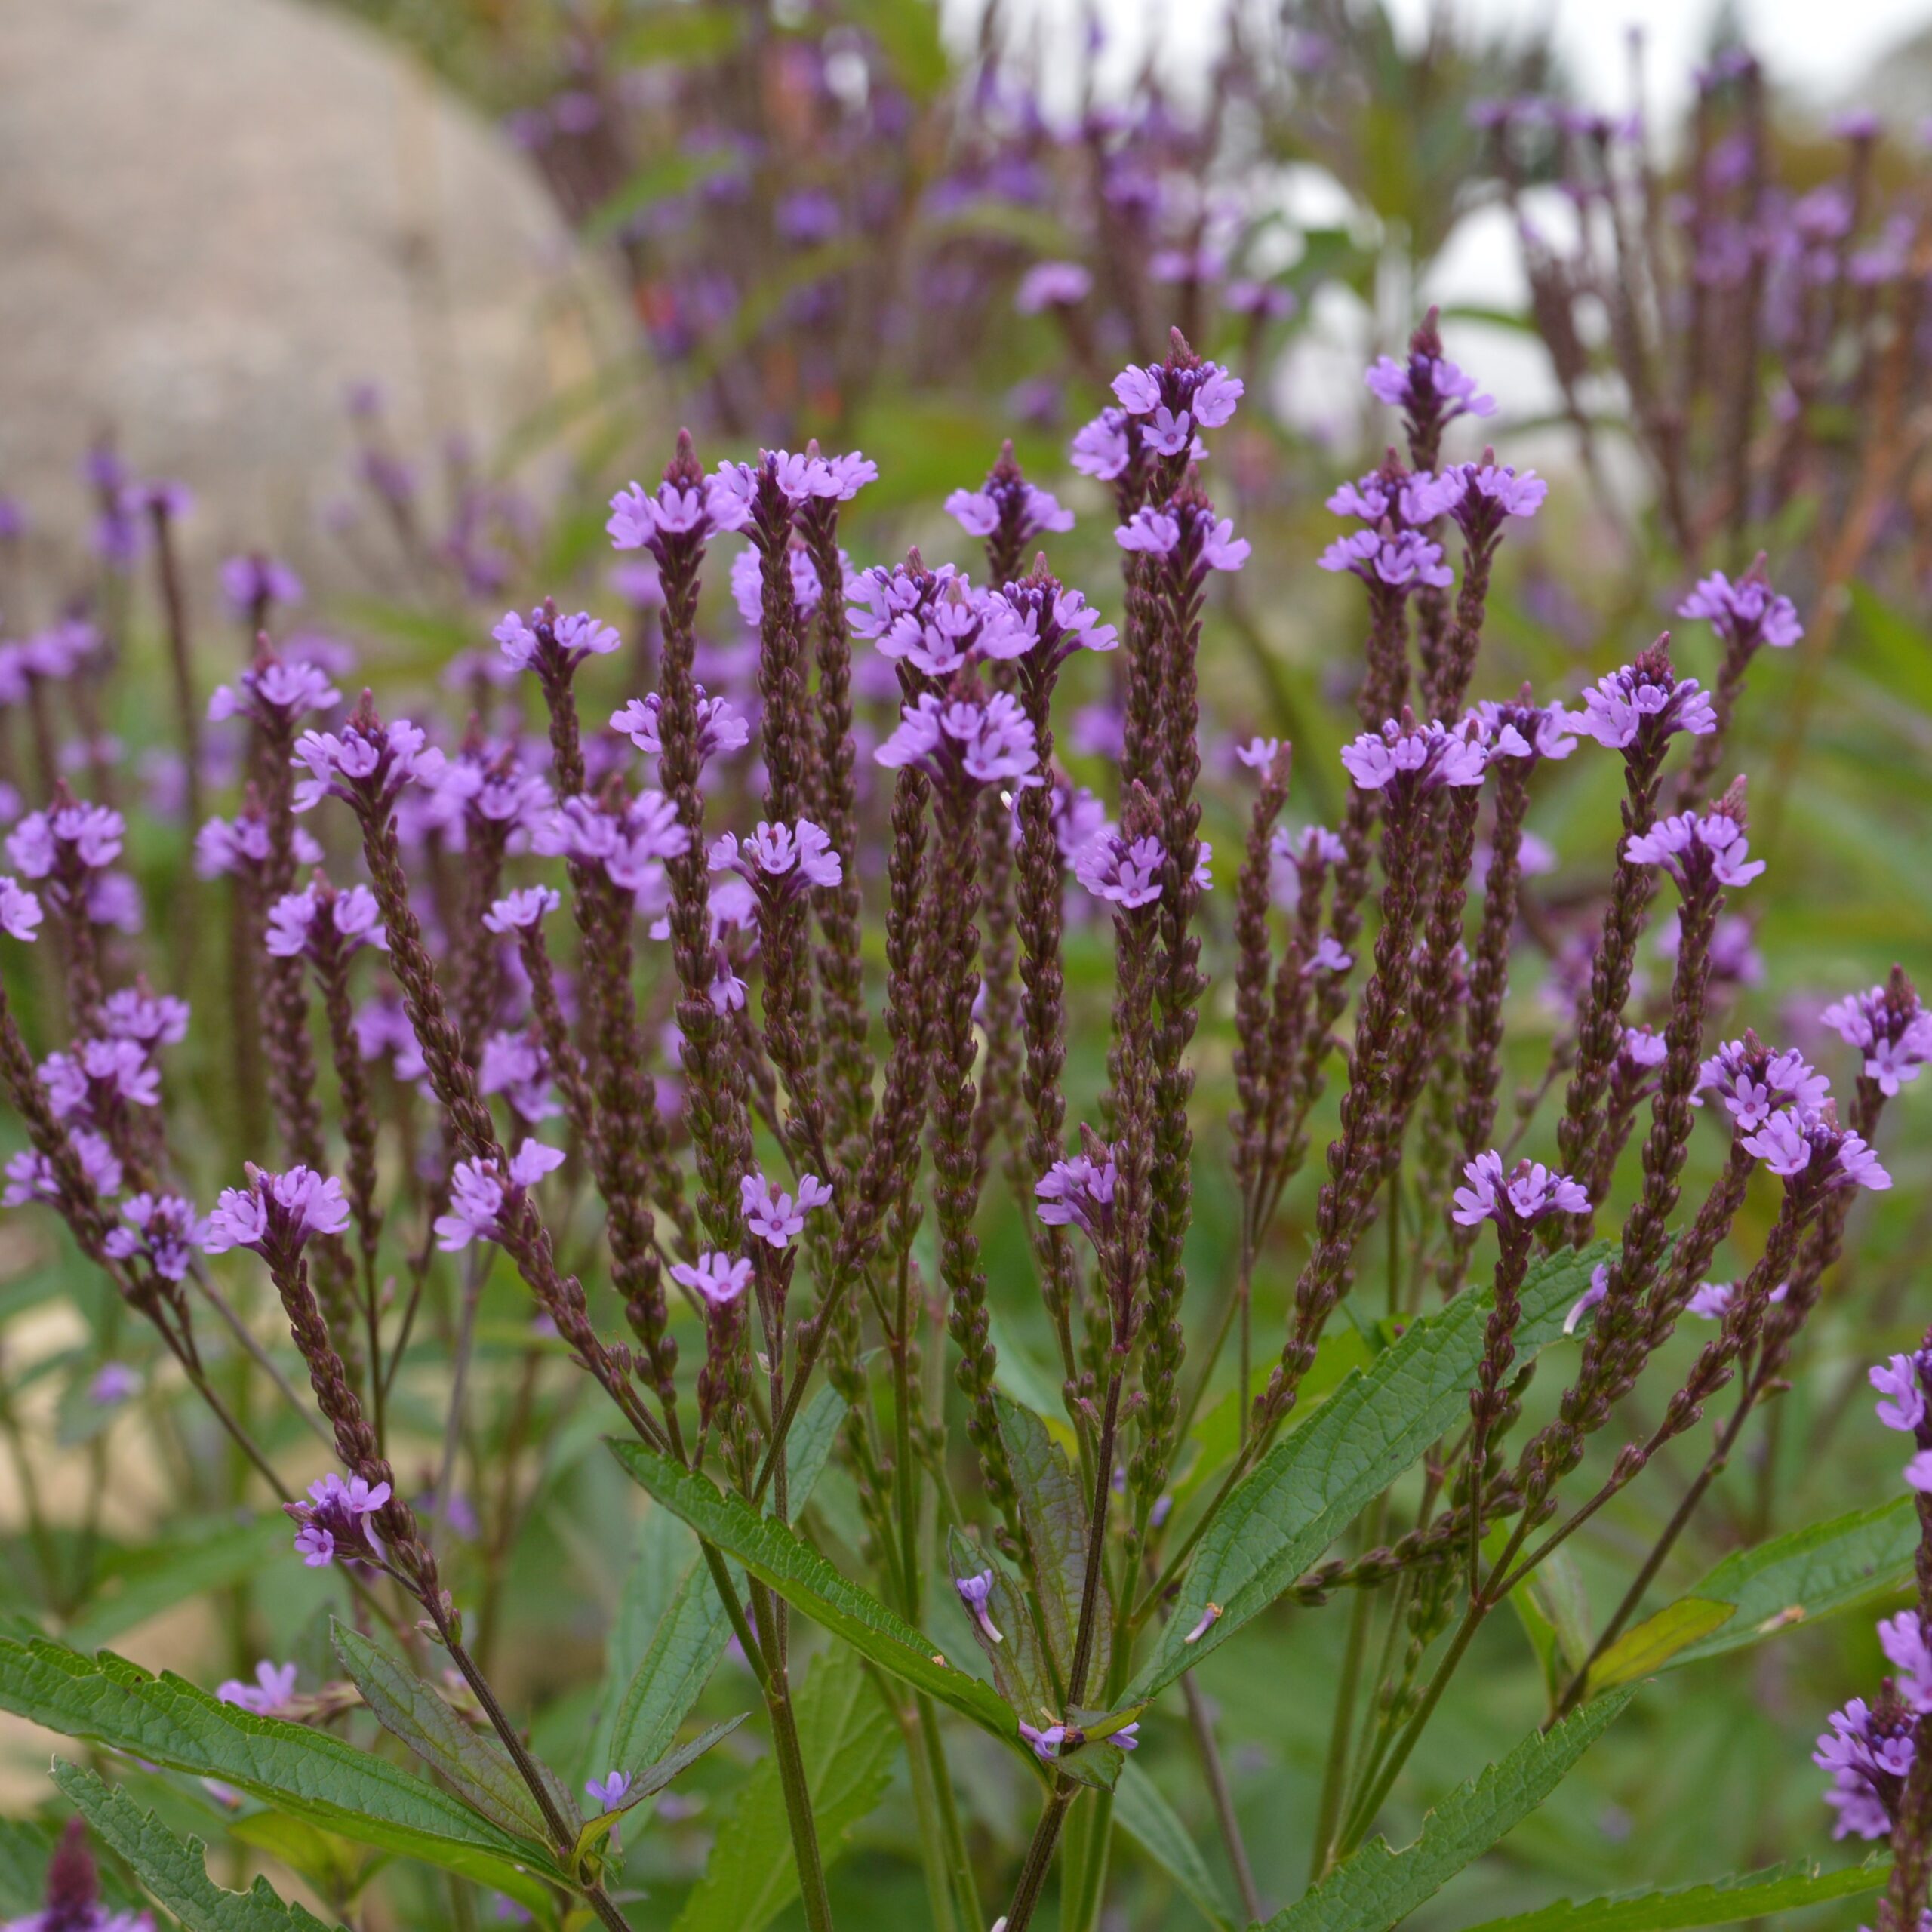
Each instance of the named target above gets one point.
<point>1201,1720</point>
<point>1341,1730</point>
<point>933,1848</point>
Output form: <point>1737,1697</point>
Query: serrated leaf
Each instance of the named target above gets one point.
<point>1654,1642</point>
<point>136,1584</point>
<point>1843,1564</point>
<point>168,1721</point>
<point>1312,1484</point>
<point>848,1740</point>
<point>175,1874</point>
<point>413,1711</point>
<point>1018,1663</point>
<point>1378,1888</point>
<point>685,1627</point>
<point>1723,1902</point>
<point>1145,1816</point>
<point>647,1783</point>
<point>1054,1517</point>
<point>773,1554</point>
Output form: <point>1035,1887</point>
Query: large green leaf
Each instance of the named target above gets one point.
<point>672,1628</point>
<point>773,1554</point>
<point>175,1874</point>
<point>848,1740</point>
<point>136,1584</point>
<point>1724,1902</point>
<point>167,1721</point>
<point>1378,1888</point>
<point>1054,1519</point>
<point>1818,1571</point>
<point>1148,1819</point>
<point>477,1767</point>
<point>1312,1484</point>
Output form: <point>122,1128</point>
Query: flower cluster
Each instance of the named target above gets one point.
<point>276,1213</point>
<point>775,1217</point>
<point>1747,613</point>
<point>479,1190</point>
<point>337,1520</point>
<point>781,858</point>
<point>1523,1197</point>
<point>1889,1027</point>
<point>1806,1146</point>
<point>1409,758</point>
<point>367,762</point>
<point>352,919</point>
<point>274,692</point>
<point>1645,704</point>
<point>1698,851</point>
<point>550,645</point>
<point>721,727</point>
<point>1754,1082</point>
<point>979,739</point>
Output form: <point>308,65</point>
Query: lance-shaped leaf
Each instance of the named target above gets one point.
<point>848,1740</point>
<point>1145,1816</point>
<point>175,1875</point>
<point>1014,1655</point>
<point>411,1711</point>
<point>1378,1888</point>
<point>1723,1902</point>
<point>668,1639</point>
<point>1312,1484</point>
<point>1053,1517</point>
<point>1820,1570</point>
<point>167,1721</point>
<point>773,1554</point>
<point>141,1583</point>
<point>647,1784</point>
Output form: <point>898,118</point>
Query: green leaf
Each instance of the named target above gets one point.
<point>809,1584</point>
<point>644,1706</point>
<point>1018,1663</point>
<point>1843,1564</point>
<point>137,1584</point>
<point>175,1874</point>
<point>477,1767</point>
<point>907,31</point>
<point>848,1740</point>
<point>1724,1902</point>
<point>647,1783</point>
<point>25,1847</point>
<point>1654,1642</point>
<point>1312,1484</point>
<point>1146,1816</point>
<point>1054,1517</point>
<point>337,1870</point>
<point>1378,1888</point>
<point>168,1721</point>
<point>684,35</point>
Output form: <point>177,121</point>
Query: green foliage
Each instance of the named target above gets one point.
<point>1145,1816</point>
<point>1378,1888</point>
<point>1727,1901</point>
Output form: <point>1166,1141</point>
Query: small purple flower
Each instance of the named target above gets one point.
<point>1530,1191</point>
<point>720,726</point>
<point>1328,957</point>
<point>1401,560</point>
<point>1080,1193</point>
<point>1125,871</point>
<point>522,910</point>
<point>983,741</point>
<point>367,762</point>
<point>1918,1472</point>
<point>1101,449</point>
<point>1712,1300</point>
<point>1032,510</point>
<point>973,1592</point>
<point>251,582</point>
<point>1594,1293</point>
<point>610,1791</point>
<point>1258,754</point>
<point>1427,384</point>
<point>354,917</point>
<point>20,915</point>
<point>1890,1026</point>
<point>114,1382</point>
<point>1809,1143</point>
<point>776,1217</point>
<point>1045,1744</point>
<point>165,1232</point>
<point>1753,1082</point>
<point>273,1687</point>
<point>1697,850</point>
<point>1052,285</point>
<point>1641,1050</point>
<point>80,837</point>
<point>1522,730</point>
<point>553,645</point>
<point>717,1277</point>
<point>335,1521</point>
<point>479,1191</point>
<point>152,1019</point>
<point>642,520</point>
<point>1748,613</point>
<point>1409,757</point>
<point>779,858</point>
<point>274,692</point>
<point>1481,494</point>
<point>1397,496</point>
<point>1898,1382</point>
<point>31,1176</point>
<point>1150,532</point>
<point>1644,697</point>
<point>98,1074</point>
<point>280,1211</point>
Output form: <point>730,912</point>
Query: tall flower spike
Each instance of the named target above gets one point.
<point>1889,1027</point>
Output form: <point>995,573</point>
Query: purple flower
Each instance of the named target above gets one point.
<point>984,741</point>
<point>31,1176</point>
<point>479,1190</point>
<point>1754,1082</point>
<point>718,1278</point>
<point>274,692</point>
<point>354,916</point>
<point>80,837</point>
<point>249,582</point>
<point>1181,386</point>
<point>1481,494</point>
<point>639,521</point>
<point>778,857</point>
<point>1151,532</point>
<point>1918,1472</point>
<point>1808,1143</point>
<point>335,1521</point>
<point>1698,851</point>
<point>1529,1193</point>
<point>1898,1381</point>
<point>1891,1027</point>
<point>1642,1049</point>
<point>973,1592</point>
<point>114,1382</point>
<point>1258,754</point>
<point>774,1217</point>
<point>609,1791</point>
<point>1595,1293</point>
<point>1080,1193</point>
<point>1393,494</point>
<point>1052,285</point>
<point>1040,615</point>
<point>630,845</point>
<point>1101,449</point>
<point>1045,1744</point>
<point>1414,758</point>
<point>277,1211</point>
<point>273,1687</point>
<point>1748,613</point>
<point>153,1019</point>
<point>1328,957</point>
<point>96,1075</point>
<point>1644,697</point>
<point>224,846</point>
<point>1522,730</point>
<point>1400,559</point>
<point>1869,1753</point>
<point>523,910</point>
<point>720,726</point>
<point>553,645</point>
<point>1127,873</point>
<point>19,910</point>
<point>367,762</point>
<point>165,1232</point>
<point>1029,510</point>
<point>1427,384</point>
